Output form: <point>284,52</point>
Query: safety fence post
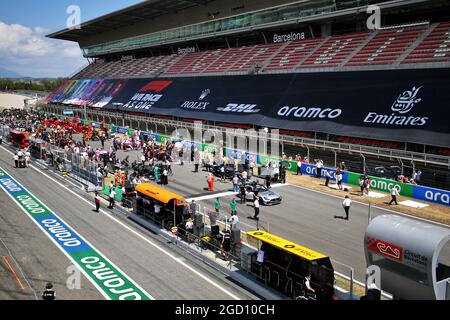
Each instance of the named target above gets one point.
<point>351,283</point>
<point>335,159</point>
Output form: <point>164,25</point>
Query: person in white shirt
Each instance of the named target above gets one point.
<point>252,165</point>
<point>189,229</point>
<point>394,194</point>
<point>222,173</point>
<point>235,183</point>
<point>169,167</point>
<point>338,177</point>
<point>327,177</point>
<point>112,195</point>
<point>299,168</point>
<point>319,165</point>
<point>164,179</point>
<point>346,204</point>
<point>256,206</point>
<point>16,160</point>
<point>27,158</point>
<point>308,284</point>
<point>233,221</point>
<point>157,209</point>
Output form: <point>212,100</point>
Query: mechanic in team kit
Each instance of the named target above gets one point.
<point>49,293</point>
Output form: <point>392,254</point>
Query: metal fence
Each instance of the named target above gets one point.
<point>4,131</point>
<point>76,165</point>
<point>162,126</point>
<point>236,259</point>
<point>195,239</point>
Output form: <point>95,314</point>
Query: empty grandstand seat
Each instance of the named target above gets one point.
<point>255,55</point>
<point>335,50</point>
<point>386,46</point>
<point>434,48</point>
<point>290,56</point>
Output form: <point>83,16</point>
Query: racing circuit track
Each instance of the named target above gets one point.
<point>162,271</point>
<point>304,216</point>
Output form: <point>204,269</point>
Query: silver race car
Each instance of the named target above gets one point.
<point>266,196</point>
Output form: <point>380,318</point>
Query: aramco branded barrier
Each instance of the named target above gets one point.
<point>424,193</point>
<point>399,109</point>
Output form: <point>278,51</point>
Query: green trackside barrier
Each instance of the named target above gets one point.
<point>118,190</point>
<point>208,148</point>
<point>380,184</point>
<point>376,183</point>
<point>384,185</point>
<point>130,132</point>
<point>292,165</point>
<point>163,138</point>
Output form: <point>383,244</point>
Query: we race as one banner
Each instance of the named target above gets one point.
<point>399,105</point>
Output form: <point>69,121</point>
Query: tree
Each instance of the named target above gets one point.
<point>46,85</point>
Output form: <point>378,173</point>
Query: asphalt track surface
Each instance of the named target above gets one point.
<point>304,216</point>
<point>34,260</point>
<point>171,274</point>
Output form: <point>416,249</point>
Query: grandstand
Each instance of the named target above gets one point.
<point>426,44</point>
<point>262,40</point>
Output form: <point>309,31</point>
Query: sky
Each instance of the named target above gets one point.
<point>24,49</point>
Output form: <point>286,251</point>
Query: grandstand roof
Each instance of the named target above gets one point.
<point>145,10</point>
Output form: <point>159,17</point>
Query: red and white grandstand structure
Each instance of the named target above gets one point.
<point>394,48</point>
<point>193,38</point>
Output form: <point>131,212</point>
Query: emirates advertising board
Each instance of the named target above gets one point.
<point>400,105</point>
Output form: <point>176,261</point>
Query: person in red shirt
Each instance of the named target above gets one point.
<point>210,181</point>
<point>97,202</point>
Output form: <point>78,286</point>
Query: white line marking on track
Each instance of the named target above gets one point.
<point>79,235</point>
<point>212,196</point>
<point>279,185</point>
<point>227,193</point>
<point>135,233</point>
<point>57,245</point>
<point>373,206</point>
